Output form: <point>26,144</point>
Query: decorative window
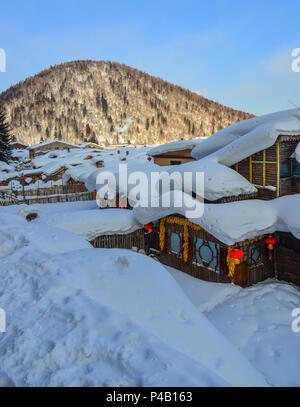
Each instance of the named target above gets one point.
<point>296,169</point>
<point>175,243</point>
<point>206,253</point>
<point>285,169</point>
<point>255,255</point>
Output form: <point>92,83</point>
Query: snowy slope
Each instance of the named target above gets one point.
<point>257,319</point>
<point>100,317</point>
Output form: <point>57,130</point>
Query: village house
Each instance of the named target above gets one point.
<point>17,145</point>
<point>242,241</point>
<point>174,153</point>
<point>49,145</point>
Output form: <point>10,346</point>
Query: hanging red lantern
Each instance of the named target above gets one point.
<point>24,177</point>
<point>149,227</point>
<point>270,241</point>
<point>237,255</point>
<point>149,159</point>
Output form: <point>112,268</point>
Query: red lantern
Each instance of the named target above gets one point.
<point>149,159</point>
<point>24,177</point>
<point>1,185</point>
<point>237,255</point>
<point>149,227</point>
<point>270,241</point>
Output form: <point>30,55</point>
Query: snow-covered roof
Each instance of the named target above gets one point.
<point>89,144</point>
<point>296,153</point>
<point>51,168</point>
<point>219,180</point>
<point>18,142</point>
<point>177,145</point>
<point>90,224</point>
<point>236,221</point>
<point>217,153</point>
<point>240,140</point>
<point>47,142</point>
<point>80,172</point>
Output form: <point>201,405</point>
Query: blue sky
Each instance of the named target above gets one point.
<point>235,52</point>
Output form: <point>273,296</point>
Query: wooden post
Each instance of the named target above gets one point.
<point>23,186</point>
<point>278,168</point>
<point>250,169</point>
<point>264,168</point>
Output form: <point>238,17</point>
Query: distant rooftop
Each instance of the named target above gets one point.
<point>43,143</point>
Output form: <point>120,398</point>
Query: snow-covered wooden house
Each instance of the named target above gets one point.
<point>49,145</point>
<point>174,153</point>
<point>244,240</point>
<point>262,150</point>
<point>205,247</point>
<point>17,145</point>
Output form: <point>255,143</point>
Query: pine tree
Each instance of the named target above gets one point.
<point>5,138</point>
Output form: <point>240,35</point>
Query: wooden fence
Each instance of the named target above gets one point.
<point>80,196</point>
<point>9,199</point>
<point>53,190</point>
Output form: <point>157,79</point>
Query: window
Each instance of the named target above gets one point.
<point>206,253</point>
<point>175,239</point>
<point>255,255</point>
<point>172,162</point>
<point>296,169</point>
<point>285,169</point>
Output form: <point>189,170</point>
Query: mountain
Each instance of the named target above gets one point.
<point>107,102</point>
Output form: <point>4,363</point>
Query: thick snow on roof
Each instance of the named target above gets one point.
<point>43,143</point>
<point>235,221</point>
<point>79,173</point>
<point>219,181</point>
<point>93,223</point>
<point>296,153</point>
<point>21,155</point>
<point>175,146</point>
<point>242,139</point>
<point>51,168</point>
<point>17,142</point>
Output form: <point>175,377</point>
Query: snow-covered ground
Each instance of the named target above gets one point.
<point>77,315</point>
<point>257,320</point>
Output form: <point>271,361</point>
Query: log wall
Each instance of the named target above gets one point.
<point>263,169</point>
<point>125,241</point>
<point>287,253</point>
<point>256,274</point>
